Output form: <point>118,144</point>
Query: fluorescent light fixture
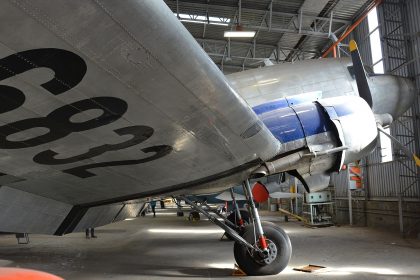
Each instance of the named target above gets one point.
<point>203,19</point>
<point>203,22</point>
<point>239,34</point>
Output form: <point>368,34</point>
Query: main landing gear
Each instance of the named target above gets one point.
<point>260,248</point>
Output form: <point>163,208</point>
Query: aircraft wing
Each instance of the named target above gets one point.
<point>106,101</point>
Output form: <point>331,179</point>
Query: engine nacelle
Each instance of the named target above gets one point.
<point>355,124</point>
<point>318,136</point>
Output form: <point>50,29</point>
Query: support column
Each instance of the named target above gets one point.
<point>400,214</point>
<point>350,208</point>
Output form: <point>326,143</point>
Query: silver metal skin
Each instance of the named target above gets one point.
<point>312,156</point>
<point>357,131</point>
<point>138,52</point>
<point>327,152</point>
<point>390,94</point>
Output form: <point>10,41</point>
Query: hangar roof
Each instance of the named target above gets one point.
<point>286,30</point>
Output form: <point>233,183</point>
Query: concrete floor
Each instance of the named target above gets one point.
<point>169,247</point>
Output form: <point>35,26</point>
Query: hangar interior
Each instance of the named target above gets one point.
<point>374,228</point>
<point>289,31</point>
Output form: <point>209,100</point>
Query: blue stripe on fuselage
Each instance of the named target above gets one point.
<point>289,124</point>
<point>314,119</point>
<point>288,101</point>
<point>271,106</point>
<point>284,124</point>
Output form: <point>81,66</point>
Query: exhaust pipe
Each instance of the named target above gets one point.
<point>281,165</point>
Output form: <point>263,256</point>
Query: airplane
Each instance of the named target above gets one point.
<point>105,103</point>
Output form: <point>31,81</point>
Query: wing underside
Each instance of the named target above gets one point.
<point>105,101</point>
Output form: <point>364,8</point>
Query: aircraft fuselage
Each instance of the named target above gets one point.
<point>313,108</point>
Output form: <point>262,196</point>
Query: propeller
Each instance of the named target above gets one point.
<point>364,92</point>
<point>359,71</point>
<point>406,151</point>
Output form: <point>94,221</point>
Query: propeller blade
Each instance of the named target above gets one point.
<point>406,151</point>
<point>359,71</point>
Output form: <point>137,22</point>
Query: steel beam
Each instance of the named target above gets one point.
<point>260,59</point>
<point>267,29</point>
<point>244,44</point>
<point>188,4</point>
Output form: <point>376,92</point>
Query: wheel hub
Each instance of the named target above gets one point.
<point>267,258</point>
<point>272,252</point>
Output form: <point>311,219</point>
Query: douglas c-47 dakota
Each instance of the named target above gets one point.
<point>104,103</point>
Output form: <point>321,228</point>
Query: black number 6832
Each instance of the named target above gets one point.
<point>69,69</point>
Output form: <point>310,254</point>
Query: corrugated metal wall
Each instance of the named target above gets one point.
<point>412,23</point>
<point>399,25</point>
<point>399,20</point>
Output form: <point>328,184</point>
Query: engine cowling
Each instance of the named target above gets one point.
<point>319,136</point>
<point>355,124</point>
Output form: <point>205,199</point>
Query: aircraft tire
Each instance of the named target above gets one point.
<point>254,265</point>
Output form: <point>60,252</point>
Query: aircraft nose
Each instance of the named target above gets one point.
<point>392,94</point>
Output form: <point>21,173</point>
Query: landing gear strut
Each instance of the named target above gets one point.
<point>263,249</point>
<point>238,218</point>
